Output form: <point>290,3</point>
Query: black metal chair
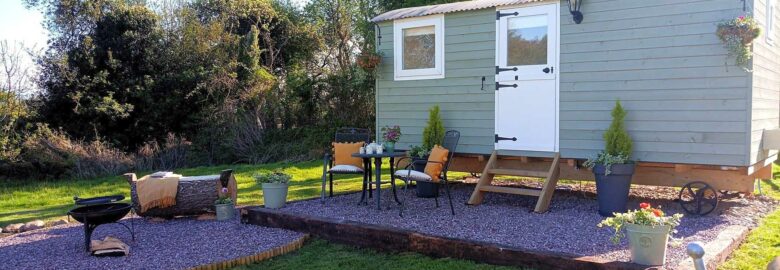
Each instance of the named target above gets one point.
<point>408,174</point>
<point>346,135</point>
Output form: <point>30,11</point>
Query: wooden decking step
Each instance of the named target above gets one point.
<point>492,169</point>
<point>516,172</point>
<point>511,190</point>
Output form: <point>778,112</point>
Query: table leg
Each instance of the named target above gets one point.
<point>378,172</point>
<point>366,180</point>
<point>392,179</point>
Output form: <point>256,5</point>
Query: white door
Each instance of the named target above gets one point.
<point>527,81</point>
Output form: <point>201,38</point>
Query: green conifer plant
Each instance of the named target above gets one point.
<point>433,133</point>
<point>618,142</point>
<point>618,145</point>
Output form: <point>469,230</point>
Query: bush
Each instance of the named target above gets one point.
<point>51,154</point>
<point>618,142</point>
<point>433,134</point>
<point>171,155</point>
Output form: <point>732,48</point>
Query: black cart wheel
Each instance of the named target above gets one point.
<point>698,198</point>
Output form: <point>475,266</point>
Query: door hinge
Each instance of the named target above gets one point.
<point>498,85</point>
<point>499,70</point>
<point>499,14</point>
<point>514,139</point>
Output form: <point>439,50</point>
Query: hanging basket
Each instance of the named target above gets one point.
<point>744,34</point>
<point>369,61</point>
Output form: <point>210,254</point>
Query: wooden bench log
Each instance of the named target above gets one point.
<point>195,195</point>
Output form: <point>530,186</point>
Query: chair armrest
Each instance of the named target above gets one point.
<point>399,161</point>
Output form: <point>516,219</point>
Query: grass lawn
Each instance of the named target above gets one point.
<point>48,200</point>
<point>319,254</point>
<point>763,243</point>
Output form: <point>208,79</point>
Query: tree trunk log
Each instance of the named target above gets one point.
<point>195,195</point>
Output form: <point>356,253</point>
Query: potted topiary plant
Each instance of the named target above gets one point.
<point>648,230</point>
<point>391,135</point>
<point>613,167</point>
<point>224,205</point>
<point>275,185</point>
<point>433,135</point>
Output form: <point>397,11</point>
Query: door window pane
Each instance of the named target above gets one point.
<point>527,40</point>
<point>419,47</point>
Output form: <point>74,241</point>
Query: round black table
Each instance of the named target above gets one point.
<point>378,174</point>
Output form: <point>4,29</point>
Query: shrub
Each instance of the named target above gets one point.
<point>276,177</point>
<point>618,142</point>
<point>171,155</point>
<point>433,133</point>
<point>50,153</point>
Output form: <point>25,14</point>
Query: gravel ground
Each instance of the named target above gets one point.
<point>173,244</point>
<point>569,227</point>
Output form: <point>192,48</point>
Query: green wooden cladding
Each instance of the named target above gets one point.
<point>686,101</point>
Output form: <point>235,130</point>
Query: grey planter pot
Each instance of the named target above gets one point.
<point>274,195</point>
<point>425,189</point>
<point>224,211</point>
<point>648,243</point>
<point>612,190</point>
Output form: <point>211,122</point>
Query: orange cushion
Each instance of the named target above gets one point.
<point>342,154</point>
<point>438,154</point>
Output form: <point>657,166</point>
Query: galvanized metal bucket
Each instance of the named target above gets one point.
<point>224,211</point>
<point>648,243</point>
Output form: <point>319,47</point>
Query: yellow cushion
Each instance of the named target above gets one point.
<point>438,154</point>
<point>342,154</point>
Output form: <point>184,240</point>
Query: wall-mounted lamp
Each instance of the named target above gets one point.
<point>574,9</point>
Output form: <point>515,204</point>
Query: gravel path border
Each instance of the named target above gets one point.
<point>174,244</point>
<point>569,227</point>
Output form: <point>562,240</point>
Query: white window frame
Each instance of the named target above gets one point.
<point>770,22</point>
<point>437,21</point>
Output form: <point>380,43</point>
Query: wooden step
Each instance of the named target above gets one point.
<point>516,172</point>
<point>511,190</point>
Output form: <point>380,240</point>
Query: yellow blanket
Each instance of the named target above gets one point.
<point>157,192</point>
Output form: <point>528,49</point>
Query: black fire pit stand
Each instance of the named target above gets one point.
<point>89,228</point>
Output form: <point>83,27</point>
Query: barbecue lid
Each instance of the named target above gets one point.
<point>98,200</point>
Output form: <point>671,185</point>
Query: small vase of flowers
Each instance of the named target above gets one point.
<point>391,135</point>
<point>224,205</point>
<point>648,230</point>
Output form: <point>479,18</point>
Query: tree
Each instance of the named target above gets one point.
<point>15,84</point>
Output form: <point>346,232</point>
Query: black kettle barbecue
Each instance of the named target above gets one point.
<point>93,212</point>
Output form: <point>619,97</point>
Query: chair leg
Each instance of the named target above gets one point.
<point>330,178</point>
<point>449,196</point>
<point>436,198</point>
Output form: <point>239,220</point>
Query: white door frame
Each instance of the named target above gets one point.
<point>556,71</point>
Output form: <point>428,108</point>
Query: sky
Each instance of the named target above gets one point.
<point>19,24</point>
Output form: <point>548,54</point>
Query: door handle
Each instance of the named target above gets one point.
<point>548,69</point>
